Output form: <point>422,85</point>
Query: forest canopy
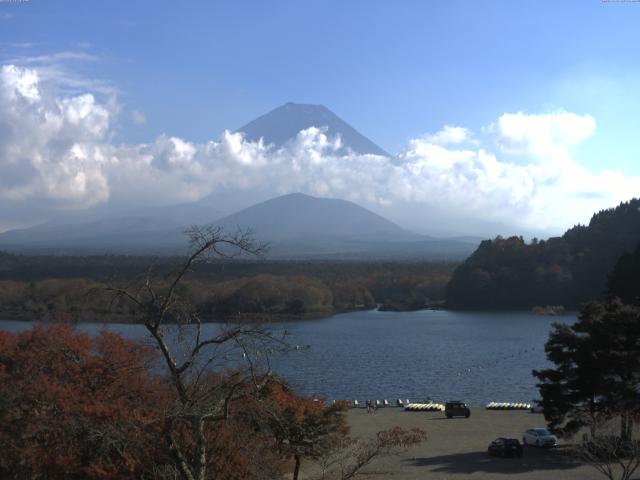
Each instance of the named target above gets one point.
<point>74,288</point>
<point>567,270</point>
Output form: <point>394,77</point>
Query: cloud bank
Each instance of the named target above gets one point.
<point>57,152</point>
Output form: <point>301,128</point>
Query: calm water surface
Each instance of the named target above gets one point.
<point>477,357</point>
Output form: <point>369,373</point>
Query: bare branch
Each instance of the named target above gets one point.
<point>201,398</point>
<point>609,453</point>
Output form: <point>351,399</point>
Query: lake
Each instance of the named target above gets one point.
<point>476,357</point>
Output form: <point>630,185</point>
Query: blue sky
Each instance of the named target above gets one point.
<point>395,70</point>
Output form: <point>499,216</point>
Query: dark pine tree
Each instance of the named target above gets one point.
<point>597,370</point>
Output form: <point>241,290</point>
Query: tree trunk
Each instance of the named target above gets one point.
<point>201,460</point>
<point>626,427</point>
<point>181,461</point>
<point>296,469</point>
<point>593,423</point>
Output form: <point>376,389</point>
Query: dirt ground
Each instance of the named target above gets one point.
<point>457,448</point>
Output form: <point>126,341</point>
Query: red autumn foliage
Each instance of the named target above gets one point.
<point>303,426</point>
<point>239,451</point>
<point>73,406</point>
<point>240,447</point>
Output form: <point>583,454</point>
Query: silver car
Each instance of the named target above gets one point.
<point>540,437</point>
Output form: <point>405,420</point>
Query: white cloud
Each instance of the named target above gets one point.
<point>50,148</point>
<point>541,134</point>
<point>17,83</point>
<point>55,152</point>
<point>137,117</point>
<point>23,45</point>
<point>449,135</point>
<point>56,57</point>
<point>58,69</point>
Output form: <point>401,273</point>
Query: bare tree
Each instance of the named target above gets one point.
<point>349,456</point>
<point>615,456</point>
<point>191,353</point>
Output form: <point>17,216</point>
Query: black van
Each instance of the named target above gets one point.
<point>456,408</point>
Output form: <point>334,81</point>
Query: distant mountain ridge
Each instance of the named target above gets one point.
<point>297,226</point>
<point>300,216</point>
<point>285,122</point>
<point>301,226</point>
<point>126,234</point>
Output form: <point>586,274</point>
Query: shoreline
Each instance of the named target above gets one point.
<point>289,318</point>
<point>244,318</point>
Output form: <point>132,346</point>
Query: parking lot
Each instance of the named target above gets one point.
<point>457,448</point>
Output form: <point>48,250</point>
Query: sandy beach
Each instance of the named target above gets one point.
<point>457,448</point>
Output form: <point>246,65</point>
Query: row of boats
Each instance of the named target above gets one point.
<point>406,404</point>
<point>424,407</point>
<point>437,407</point>
<point>508,406</point>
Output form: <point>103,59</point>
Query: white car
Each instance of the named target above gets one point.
<point>540,437</point>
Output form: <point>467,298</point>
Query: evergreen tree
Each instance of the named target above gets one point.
<point>624,281</point>
<point>597,370</point>
<point>570,270</point>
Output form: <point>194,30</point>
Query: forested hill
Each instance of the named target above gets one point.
<point>569,270</point>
